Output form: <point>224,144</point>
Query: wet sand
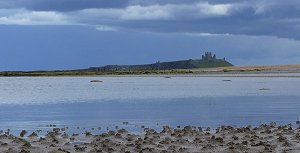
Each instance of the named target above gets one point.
<point>225,139</point>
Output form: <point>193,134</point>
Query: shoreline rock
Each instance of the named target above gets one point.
<point>263,138</point>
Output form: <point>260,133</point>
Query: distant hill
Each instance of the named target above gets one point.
<point>208,61</point>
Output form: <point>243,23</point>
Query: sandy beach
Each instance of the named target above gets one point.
<point>225,139</point>
<point>263,69</point>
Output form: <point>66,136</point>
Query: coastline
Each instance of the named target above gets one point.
<point>201,72</point>
<point>294,74</point>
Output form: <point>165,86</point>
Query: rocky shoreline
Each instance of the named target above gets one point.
<point>225,139</point>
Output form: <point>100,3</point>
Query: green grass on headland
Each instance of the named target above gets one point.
<point>173,65</point>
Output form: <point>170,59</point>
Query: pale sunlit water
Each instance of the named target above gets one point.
<point>35,102</point>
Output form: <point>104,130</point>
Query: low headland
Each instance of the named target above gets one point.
<point>197,71</point>
<point>225,139</point>
<point>208,64</point>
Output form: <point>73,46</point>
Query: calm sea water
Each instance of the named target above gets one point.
<point>36,102</point>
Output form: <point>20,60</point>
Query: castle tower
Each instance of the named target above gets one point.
<point>208,56</point>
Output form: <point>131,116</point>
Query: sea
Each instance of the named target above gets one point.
<point>135,102</point>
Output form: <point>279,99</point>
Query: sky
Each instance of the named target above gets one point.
<point>74,34</point>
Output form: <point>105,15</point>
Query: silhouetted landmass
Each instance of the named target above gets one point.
<point>208,61</point>
<point>185,64</point>
<point>174,67</point>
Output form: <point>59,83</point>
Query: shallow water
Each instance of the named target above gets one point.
<point>36,102</point>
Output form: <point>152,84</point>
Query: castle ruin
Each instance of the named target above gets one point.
<point>208,56</point>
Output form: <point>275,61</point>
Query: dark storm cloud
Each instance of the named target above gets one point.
<point>240,17</point>
<point>272,18</point>
<point>62,5</point>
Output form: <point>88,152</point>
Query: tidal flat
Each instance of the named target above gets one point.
<point>185,106</point>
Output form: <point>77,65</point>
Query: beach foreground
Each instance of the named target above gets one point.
<point>264,138</point>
